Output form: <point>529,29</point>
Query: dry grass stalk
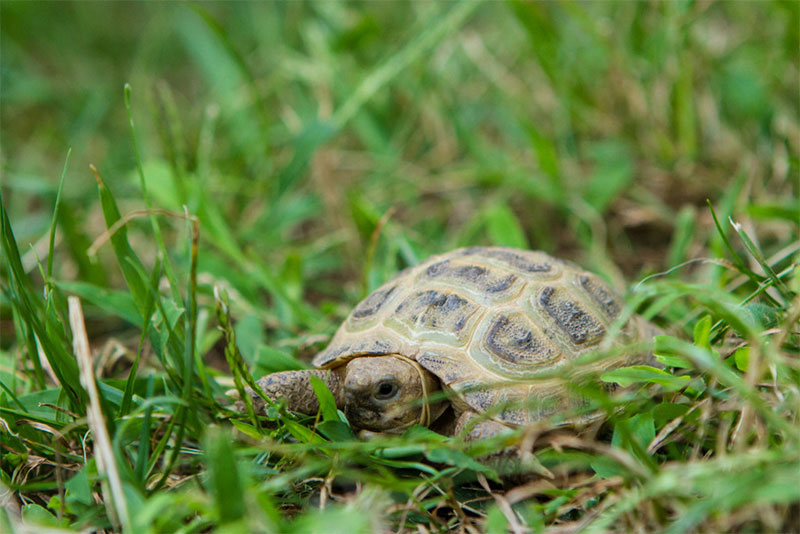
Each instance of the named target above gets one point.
<point>114,500</point>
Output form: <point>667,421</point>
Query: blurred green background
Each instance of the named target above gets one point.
<point>326,145</point>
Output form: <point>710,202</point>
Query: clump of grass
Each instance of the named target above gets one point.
<point>339,149</point>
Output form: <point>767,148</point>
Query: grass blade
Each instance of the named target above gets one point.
<point>126,257</point>
<point>756,253</point>
<point>737,260</point>
<point>55,217</point>
<point>143,184</point>
<point>223,477</point>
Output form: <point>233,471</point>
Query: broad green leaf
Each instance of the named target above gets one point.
<point>336,430</point>
<point>789,211</point>
<point>741,357</point>
<point>641,427</point>
<point>495,520</point>
<point>78,489</point>
<point>33,514</point>
<point>336,520</point>
<point>667,411</point>
<point>702,332</point>
<point>673,361</point>
<point>606,467</point>
<point>625,376</point>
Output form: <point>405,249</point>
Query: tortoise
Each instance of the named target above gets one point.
<point>485,324</point>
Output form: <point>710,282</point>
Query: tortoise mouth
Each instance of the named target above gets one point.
<point>393,420</point>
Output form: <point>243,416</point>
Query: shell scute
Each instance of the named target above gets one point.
<point>476,397</point>
<point>514,339</point>
<point>490,283</point>
<point>594,288</point>
<point>448,369</point>
<point>571,318</point>
<point>435,314</point>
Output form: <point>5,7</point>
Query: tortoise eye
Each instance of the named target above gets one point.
<point>386,390</point>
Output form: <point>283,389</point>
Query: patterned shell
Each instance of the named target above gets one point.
<point>488,316</point>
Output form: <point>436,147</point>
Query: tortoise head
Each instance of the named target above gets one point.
<point>388,393</point>
<point>377,393</point>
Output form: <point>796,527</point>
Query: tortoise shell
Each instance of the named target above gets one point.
<point>484,317</point>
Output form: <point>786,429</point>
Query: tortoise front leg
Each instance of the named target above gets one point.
<point>511,463</point>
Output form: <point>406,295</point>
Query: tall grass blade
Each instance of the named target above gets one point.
<point>143,184</point>
<point>737,260</point>
<point>51,246</point>
<point>126,257</point>
<point>784,291</point>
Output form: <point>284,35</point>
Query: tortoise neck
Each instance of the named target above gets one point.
<point>295,387</point>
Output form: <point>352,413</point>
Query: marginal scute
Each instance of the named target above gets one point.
<point>478,398</point>
<point>514,415</point>
<point>446,369</point>
<point>514,339</point>
<point>367,346</point>
<point>581,327</point>
<point>601,294</point>
<point>512,405</point>
<point>475,277</point>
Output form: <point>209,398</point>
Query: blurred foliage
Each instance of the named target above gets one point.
<point>324,146</point>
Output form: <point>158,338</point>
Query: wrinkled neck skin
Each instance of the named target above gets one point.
<point>295,388</point>
<point>377,393</point>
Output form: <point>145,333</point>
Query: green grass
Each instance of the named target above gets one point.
<point>267,165</point>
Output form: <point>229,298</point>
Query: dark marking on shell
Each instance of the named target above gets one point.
<point>437,310</point>
<point>602,295</point>
<point>373,303</point>
<point>579,325</point>
<point>476,277</point>
<point>513,259</point>
<point>512,339</point>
